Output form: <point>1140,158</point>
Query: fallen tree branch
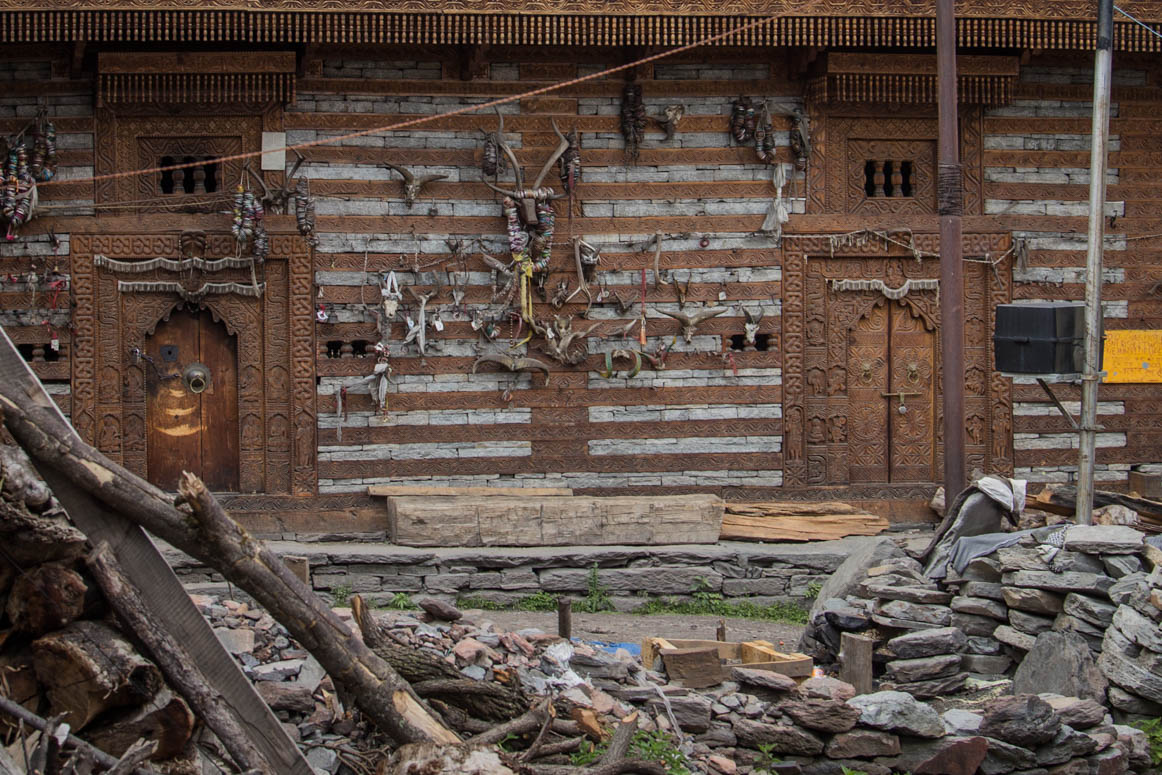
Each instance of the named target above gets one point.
<point>622,738</point>
<point>22,713</point>
<point>210,535</point>
<point>173,659</point>
<point>639,766</point>
<point>518,726</point>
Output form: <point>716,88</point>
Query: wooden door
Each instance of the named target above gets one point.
<point>189,431</point>
<point>891,388</point>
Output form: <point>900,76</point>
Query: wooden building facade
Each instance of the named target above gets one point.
<point>819,374</point>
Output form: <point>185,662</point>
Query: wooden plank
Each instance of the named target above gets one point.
<point>391,490</point>
<point>736,527</point>
<point>554,521</point>
<point>760,655</point>
<point>792,509</point>
<point>855,661</point>
<point>651,650</point>
<point>726,649</point>
<point>696,668</point>
<point>160,589</point>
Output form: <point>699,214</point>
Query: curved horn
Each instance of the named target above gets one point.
<point>510,194</point>
<point>561,148</point>
<point>518,176</point>
<point>426,179</point>
<point>530,364</point>
<point>501,360</point>
<point>706,314</point>
<point>500,126</point>
<point>408,177</point>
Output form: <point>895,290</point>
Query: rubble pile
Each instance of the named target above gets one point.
<point>814,726</point>
<point>1089,593</point>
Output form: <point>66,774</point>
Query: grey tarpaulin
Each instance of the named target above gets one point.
<point>977,511</point>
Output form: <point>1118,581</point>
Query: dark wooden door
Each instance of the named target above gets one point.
<point>189,431</point>
<point>891,388</point>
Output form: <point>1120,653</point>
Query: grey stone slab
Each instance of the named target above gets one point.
<point>1060,663</point>
<point>1138,628</point>
<point>1091,609</point>
<point>1088,583</point>
<point>928,643</point>
<point>1034,600</point>
<point>921,669</point>
<point>990,590</point>
<point>893,711</point>
<point>931,687</point>
<point>979,645</point>
<point>977,626</point>
<point>1119,565</point>
<point>1130,675</point>
<point>1103,539</point>
<point>1011,637</point>
<point>980,606</point>
<point>986,665</point>
<point>911,594</point>
<point>1014,558</point>
<point>1065,561</point>
<point>781,738</point>
<point>916,612</point>
<point>1030,624</point>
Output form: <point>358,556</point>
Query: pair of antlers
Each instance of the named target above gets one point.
<point>535,192</point>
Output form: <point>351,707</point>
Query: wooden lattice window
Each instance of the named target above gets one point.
<point>891,176</point>
<point>204,178</point>
<point>200,188</point>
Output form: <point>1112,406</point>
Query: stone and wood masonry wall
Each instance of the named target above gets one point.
<point>714,417</point>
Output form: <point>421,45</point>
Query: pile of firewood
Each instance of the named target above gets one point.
<point>62,652</point>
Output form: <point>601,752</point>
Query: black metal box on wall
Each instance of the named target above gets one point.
<point>1045,337</point>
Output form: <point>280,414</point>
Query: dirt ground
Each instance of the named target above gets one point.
<point>631,628</point>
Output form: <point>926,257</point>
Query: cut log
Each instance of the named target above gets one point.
<point>736,527</point>
<point>88,668</point>
<point>179,667</point>
<point>46,598</point>
<point>534,521</point>
<point>855,661</point>
<point>391,490</point>
<point>31,539</point>
<point>166,720</point>
<point>1062,499</point>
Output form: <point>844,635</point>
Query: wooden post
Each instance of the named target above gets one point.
<point>855,661</point>
<point>565,617</point>
<point>720,635</point>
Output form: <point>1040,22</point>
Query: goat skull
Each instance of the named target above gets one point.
<point>690,322</point>
<point>411,186</point>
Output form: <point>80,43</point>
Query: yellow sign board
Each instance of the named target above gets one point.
<point>1133,356</point>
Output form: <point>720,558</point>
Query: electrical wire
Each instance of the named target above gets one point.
<point>1139,22</point>
<point>426,119</point>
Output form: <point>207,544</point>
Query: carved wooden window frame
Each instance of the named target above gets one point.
<point>829,177</point>
<point>810,306</point>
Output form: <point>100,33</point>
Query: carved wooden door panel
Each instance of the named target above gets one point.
<point>189,430</point>
<point>913,357</point>
<point>867,369</point>
<point>891,363</point>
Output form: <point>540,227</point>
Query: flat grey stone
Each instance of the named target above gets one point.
<point>898,712</point>
<point>1091,609</point>
<point>916,612</point>
<point>1119,565</point>
<point>931,687</point>
<point>1030,624</point>
<point>1067,744</point>
<point>1129,586</point>
<point>767,679</point>
<point>1060,663</point>
<point>1005,757</point>
<point>1064,562</point>
<point>1091,632</point>
<point>961,722</point>
<point>1011,637</point>
<point>236,641</point>
<point>991,590</point>
<point>1130,675</point>
<point>1089,583</point>
<point>1036,601</point>
<point>985,665</point>
<point>921,669</point>
<point>1023,719</point>
<point>903,624</point>
<point>977,626</point>
<point>862,743</point>
<point>1103,539</point>
<point>980,606</point>
<point>1076,712</point>
<point>977,645</point>
<point>781,738</point>
<point>982,569</point>
<point>692,711</point>
<point>1138,628</point>
<point>927,643</point>
<point>1132,703</point>
<point>278,671</point>
<point>1013,558</point>
<point>831,716</point>
<point>910,594</point>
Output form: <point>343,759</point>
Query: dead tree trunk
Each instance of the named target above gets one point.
<point>209,534</point>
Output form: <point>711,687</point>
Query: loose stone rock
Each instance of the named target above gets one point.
<point>898,712</point>
<point>1004,757</point>
<point>1119,565</point>
<point>1091,609</point>
<point>909,594</point>
<point>1060,663</point>
<point>862,743</point>
<point>987,589</point>
<point>1067,744</point>
<point>928,643</point>
<point>1076,712</point>
<point>922,669</point>
<point>979,626</point>
<point>766,679</point>
<point>933,687</point>
<point>1138,628</point>
<point>782,738</point>
<point>1089,583</point>
<point>1036,601</point>
<point>1103,539</point>
<point>1030,624</point>
<point>985,665</point>
<point>948,756</point>
<point>961,722</point>
<point>1131,703</point>
<point>980,606</point>
<point>916,612</point>
<point>1025,720</point>
<point>822,715</point>
<point>826,688</point>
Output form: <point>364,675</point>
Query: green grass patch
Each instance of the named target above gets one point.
<point>1153,729</point>
<point>656,746</point>
<point>400,601</point>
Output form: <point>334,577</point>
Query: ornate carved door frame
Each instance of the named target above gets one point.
<point>276,354</point>
<point>815,322</point>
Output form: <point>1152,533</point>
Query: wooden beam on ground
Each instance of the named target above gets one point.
<point>792,509</point>
<point>1062,499</point>
<point>736,527</point>
<point>697,668</point>
<point>534,521</point>
<point>391,491</point>
<point>760,655</point>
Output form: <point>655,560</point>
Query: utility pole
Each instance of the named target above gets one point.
<point>1091,375</point>
<point>950,200</point>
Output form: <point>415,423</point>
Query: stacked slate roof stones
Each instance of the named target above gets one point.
<point>1091,589</point>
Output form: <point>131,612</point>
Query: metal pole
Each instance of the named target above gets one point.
<point>950,199</point>
<point>1087,435</point>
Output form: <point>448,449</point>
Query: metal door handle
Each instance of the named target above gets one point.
<point>901,395</point>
